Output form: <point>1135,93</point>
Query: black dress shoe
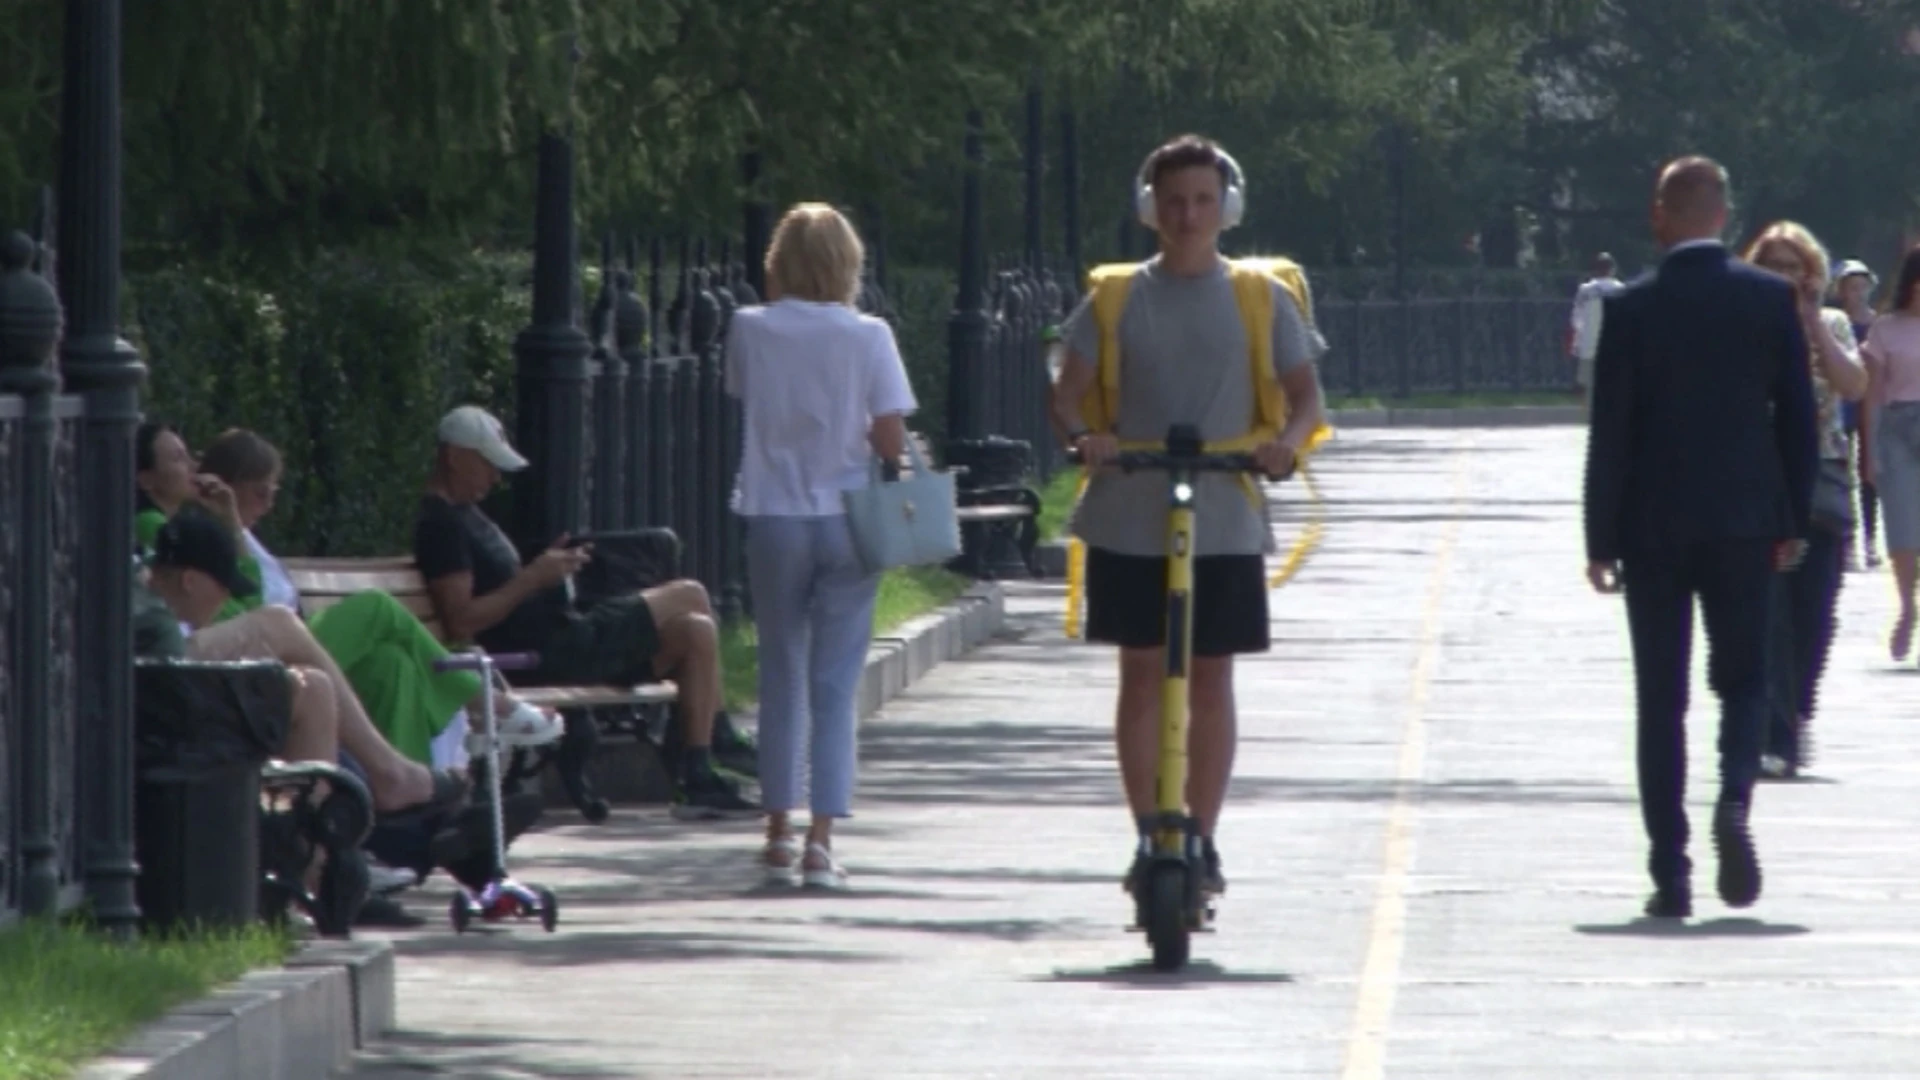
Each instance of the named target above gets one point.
<point>1670,903</point>
<point>1739,865</point>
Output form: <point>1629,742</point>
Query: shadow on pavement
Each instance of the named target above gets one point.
<point>526,943</point>
<point>1710,928</point>
<point>410,1055</point>
<point>1141,976</point>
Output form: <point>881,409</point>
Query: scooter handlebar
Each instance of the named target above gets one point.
<point>1161,461</point>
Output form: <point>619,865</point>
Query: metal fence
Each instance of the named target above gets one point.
<point>1429,345</point>
<point>661,439</point>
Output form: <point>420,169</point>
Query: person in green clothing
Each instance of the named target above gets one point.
<point>386,654</point>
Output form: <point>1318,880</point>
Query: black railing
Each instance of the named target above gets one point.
<point>1467,345</point>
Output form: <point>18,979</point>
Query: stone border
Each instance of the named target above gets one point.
<point>903,657</point>
<point>303,1021</point>
<point>1467,416</point>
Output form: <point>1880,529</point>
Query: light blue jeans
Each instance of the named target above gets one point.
<point>813,613</point>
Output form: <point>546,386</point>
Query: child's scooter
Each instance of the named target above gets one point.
<point>503,896</point>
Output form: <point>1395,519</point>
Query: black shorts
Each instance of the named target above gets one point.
<point>614,643</point>
<point>1127,602</point>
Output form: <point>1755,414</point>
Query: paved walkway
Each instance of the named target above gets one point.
<point>1433,847</point>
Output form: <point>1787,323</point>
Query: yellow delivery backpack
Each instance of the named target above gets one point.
<point>1253,279</point>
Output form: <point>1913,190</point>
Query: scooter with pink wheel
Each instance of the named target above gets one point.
<point>502,897</point>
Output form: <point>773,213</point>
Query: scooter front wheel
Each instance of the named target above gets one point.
<point>1166,916</point>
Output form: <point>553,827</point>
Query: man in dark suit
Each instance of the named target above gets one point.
<point>1700,468</point>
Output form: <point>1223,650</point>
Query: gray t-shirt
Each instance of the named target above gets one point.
<point>1183,360</point>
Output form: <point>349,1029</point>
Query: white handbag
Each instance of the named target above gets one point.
<point>906,522</point>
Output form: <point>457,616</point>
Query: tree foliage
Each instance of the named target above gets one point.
<point>1368,128</point>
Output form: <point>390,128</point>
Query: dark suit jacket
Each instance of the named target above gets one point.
<point>1702,424</point>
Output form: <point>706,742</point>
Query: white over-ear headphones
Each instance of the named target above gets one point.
<point>1233,204</point>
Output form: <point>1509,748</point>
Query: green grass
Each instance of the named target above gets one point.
<point>68,995</point>
<point>1056,502</point>
<point>904,594</point>
<point>1449,401</point>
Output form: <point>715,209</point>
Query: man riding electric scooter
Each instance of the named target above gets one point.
<point>1228,348</point>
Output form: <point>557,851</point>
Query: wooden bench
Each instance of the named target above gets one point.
<point>323,582</point>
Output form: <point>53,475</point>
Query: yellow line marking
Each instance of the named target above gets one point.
<point>1387,931</point>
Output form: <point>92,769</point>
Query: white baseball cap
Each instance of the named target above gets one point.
<point>1852,268</point>
<point>474,428</point>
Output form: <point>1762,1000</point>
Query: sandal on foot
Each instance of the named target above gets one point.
<point>524,726</point>
<point>449,792</point>
<point>819,871</point>
<point>780,861</point>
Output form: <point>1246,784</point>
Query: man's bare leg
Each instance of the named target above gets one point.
<point>689,654</point>
<point>1211,736</point>
<point>312,734</point>
<point>1137,726</point>
<point>275,632</point>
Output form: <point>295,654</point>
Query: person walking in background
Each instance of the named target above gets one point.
<point>1700,468</point>
<point>823,392</point>
<point>1892,349</point>
<point>1854,285</point>
<point>1805,596</point>
<point>1583,329</point>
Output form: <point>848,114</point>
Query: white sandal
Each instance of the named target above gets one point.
<point>780,861</point>
<point>523,726</point>
<point>831,876</point>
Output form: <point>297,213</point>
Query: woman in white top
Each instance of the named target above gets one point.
<point>822,392</point>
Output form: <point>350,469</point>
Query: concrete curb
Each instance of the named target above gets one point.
<point>897,660</point>
<point>1478,416</point>
<point>302,1021</point>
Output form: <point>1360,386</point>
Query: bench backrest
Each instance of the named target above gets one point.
<point>325,582</point>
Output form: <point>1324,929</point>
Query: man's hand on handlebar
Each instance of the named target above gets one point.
<point>1095,449</point>
<point>1278,459</point>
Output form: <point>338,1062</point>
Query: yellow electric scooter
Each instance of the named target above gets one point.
<point>1169,904</point>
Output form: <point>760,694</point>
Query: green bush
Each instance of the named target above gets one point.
<point>346,360</point>
<point>345,363</point>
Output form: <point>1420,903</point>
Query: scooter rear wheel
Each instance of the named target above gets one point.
<point>1166,917</point>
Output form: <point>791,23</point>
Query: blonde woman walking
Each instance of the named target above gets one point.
<point>823,392</point>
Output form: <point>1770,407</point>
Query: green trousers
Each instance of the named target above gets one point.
<point>388,657</point>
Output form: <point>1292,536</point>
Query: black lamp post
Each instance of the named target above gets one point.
<point>30,321</point>
<point>107,373</point>
<point>967,326</point>
<point>551,359</point>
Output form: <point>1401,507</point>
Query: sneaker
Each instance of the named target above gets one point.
<point>1215,882</point>
<point>383,879</point>
<point>1739,864</point>
<point>819,871</point>
<point>709,796</point>
<point>525,726</point>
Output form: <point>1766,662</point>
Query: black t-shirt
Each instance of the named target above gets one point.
<point>449,539</point>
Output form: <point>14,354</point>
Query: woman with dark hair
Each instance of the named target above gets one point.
<point>1893,360</point>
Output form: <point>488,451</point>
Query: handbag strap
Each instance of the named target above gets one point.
<point>914,457</point>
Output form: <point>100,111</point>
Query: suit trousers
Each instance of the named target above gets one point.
<point>1733,580</point>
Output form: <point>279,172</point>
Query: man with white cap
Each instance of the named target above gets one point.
<point>1853,285</point>
<point>482,593</point>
